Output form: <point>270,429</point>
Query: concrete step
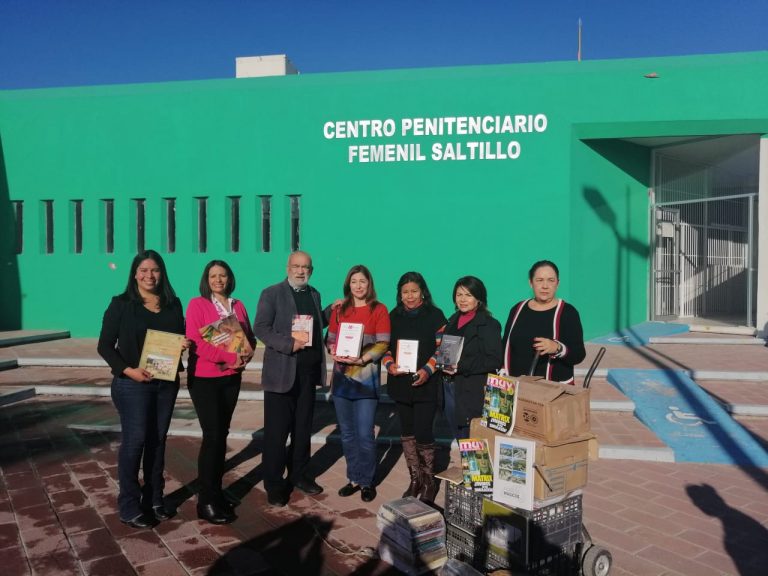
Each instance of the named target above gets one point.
<point>707,341</point>
<point>20,337</point>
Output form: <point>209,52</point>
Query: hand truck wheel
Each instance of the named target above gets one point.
<point>597,561</point>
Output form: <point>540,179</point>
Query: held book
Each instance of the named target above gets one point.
<point>303,324</point>
<point>476,465</point>
<point>499,404</point>
<point>228,334</point>
<point>349,340</point>
<point>407,355</point>
<point>514,473</point>
<point>449,352</point>
<point>161,354</point>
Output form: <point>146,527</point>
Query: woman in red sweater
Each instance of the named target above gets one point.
<point>356,379</point>
<point>215,372</point>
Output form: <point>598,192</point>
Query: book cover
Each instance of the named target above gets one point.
<point>476,464</point>
<point>449,352</point>
<point>505,532</point>
<point>349,340</point>
<point>499,404</point>
<point>228,334</point>
<point>302,325</point>
<point>410,511</point>
<point>417,544</point>
<point>514,473</point>
<point>407,563</point>
<point>407,357</point>
<point>161,353</point>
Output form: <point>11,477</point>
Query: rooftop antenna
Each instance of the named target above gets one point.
<point>578,53</point>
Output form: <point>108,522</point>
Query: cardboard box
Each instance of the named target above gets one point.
<point>561,467</point>
<point>551,412</point>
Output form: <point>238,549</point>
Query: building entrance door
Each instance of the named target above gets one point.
<point>704,231</point>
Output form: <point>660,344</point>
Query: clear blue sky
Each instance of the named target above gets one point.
<point>75,42</point>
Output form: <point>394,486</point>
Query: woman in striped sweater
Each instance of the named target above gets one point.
<point>544,325</point>
<point>356,380</point>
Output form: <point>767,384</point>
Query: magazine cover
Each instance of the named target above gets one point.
<point>499,404</point>
<point>476,465</point>
<point>513,481</point>
<point>228,334</point>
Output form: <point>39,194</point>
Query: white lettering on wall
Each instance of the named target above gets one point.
<point>508,129</point>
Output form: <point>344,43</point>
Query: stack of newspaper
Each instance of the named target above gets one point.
<point>412,536</point>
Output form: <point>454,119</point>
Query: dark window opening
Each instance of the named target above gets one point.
<point>140,223</point>
<point>109,226</point>
<point>266,223</point>
<point>48,208</point>
<point>170,225</point>
<point>202,224</point>
<point>294,222</point>
<point>234,223</point>
<point>77,226</point>
<point>18,214</point>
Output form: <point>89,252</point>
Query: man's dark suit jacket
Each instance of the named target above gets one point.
<point>272,326</point>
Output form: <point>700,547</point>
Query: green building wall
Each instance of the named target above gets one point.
<point>577,194</point>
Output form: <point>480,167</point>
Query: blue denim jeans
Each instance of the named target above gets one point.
<point>449,407</point>
<point>145,410</point>
<point>358,442</point>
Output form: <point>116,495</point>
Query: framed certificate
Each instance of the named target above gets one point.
<point>161,354</point>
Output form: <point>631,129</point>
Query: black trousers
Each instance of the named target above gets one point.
<point>417,419</point>
<point>289,414</point>
<point>215,400</point>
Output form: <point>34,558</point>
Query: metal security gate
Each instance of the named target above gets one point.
<point>704,230</point>
<point>704,259</point>
<point>666,263</point>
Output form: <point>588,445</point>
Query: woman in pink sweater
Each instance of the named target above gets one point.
<point>223,344</point>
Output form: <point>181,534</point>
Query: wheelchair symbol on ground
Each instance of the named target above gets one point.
<point>677,416</point>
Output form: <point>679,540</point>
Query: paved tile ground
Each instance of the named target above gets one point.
<point>58,510</point>
<point>58,488</point>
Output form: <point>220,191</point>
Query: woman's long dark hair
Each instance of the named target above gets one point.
<point>417,279</point>
<point>164,288</point>
<point>205,287</point>
<point>474,286</point>
<point>370,296</point>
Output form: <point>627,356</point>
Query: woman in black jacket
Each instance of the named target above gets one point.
<point>545,326</point>
<point>145,404</point>
<point>464,384</point>
<point>415,319</point>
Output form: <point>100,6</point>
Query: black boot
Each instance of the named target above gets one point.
<point>430,486</point>
<point>412,460</point>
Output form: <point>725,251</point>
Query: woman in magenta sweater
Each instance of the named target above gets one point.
<point>214,382</point>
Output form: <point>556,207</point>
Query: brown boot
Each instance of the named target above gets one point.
<point>412,460</point>
<point>427,460</point>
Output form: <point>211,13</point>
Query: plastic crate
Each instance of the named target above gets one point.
<point>470,547</point>
<point>549,535</point>
<point>465,546</point>
<point>463,507</point>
